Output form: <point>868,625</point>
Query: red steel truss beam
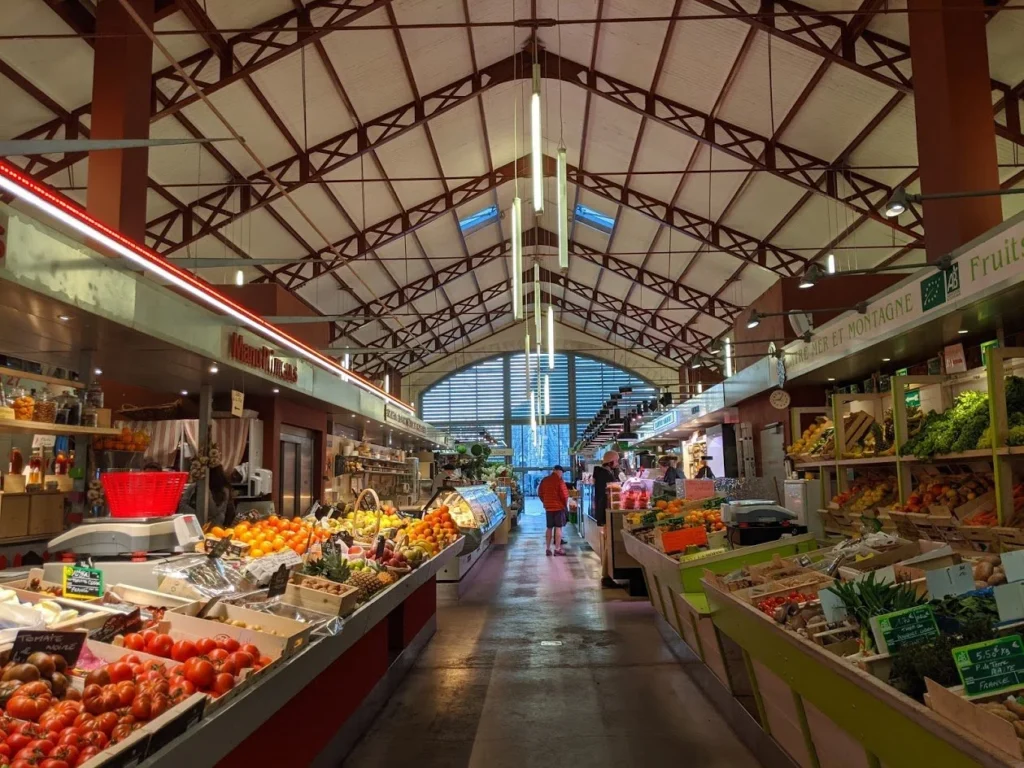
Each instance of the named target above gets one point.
<point>690,298</point>
<point>224,205</point>
<point>373,364</point>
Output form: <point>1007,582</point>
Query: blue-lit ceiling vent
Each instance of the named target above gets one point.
<point>479,219</point>
<point>594,219</point>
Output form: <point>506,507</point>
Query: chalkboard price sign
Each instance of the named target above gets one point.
<point>991,667</point>
<point>119,624</point>
<point>278,582</point>
<point>893,631</point>
<point>81,583</point>
<point>29,641</point>
<point>220,549</point>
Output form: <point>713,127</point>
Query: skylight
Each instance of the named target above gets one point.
<point>476,220</point>
<point>594,219</point>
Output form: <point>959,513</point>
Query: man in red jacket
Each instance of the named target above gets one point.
<point>555,497</point>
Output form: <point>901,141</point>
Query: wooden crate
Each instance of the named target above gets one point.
<point>323,602</point>
<point>993,730</point>
<point>294,635</point>
<point>979,538</point>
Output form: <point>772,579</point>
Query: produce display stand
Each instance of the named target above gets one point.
<point>823,711</point>
<point>310,708</point>
<point>607,540</point>
<point>676,593</point>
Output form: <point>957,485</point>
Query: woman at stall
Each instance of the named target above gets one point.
<point>221,508</point>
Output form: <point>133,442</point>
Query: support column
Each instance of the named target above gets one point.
<point>121,99</point>
<point>205,422</point>
<point>956,141</point>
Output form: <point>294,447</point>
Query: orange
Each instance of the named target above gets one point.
<point>217,531</point>
<point>241,527</point>
<point>245,537</point>
<point>278,543</point>
<point>256,552</point>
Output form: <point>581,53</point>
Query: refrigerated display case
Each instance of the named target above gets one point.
<point>478,512</point>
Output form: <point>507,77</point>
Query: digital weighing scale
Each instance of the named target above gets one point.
<point>127,548</point>
<point>755,521</point>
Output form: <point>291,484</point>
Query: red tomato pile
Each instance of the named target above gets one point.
<point>210,663</point>
<point>65,736</point>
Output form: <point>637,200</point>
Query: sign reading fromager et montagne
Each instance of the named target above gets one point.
<point>261,358</point>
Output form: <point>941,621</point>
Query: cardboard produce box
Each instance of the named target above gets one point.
<point>291,636</point>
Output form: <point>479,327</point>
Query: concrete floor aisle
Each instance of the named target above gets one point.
<point>538,666</point>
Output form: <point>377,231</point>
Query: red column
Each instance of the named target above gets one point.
<point>121,101</point>
<point>956,140</point>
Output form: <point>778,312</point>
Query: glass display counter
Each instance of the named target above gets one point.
<point>478,512</point>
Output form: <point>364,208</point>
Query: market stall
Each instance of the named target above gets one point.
<point>481,520</point>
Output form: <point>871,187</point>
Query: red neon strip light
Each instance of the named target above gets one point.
<point>74,210</point>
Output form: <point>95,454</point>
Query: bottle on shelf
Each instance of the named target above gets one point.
<point>35,468</point>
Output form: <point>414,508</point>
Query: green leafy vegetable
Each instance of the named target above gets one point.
<point>868,598</point>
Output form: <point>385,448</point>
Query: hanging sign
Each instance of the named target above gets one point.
<point>954,359</point>
<point>991,667</point>
<point>261,358</point>
<point>81,583</point>
<point>912,398</point>
<point>395,415</point>
<point>237,403</point>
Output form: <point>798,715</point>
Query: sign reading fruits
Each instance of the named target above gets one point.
<point>261,358</point>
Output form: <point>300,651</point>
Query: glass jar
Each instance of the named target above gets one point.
<point>44,410</point>
<point>94,395</point>
<point>74,410</point>
<point>35,469</point>
<point>24,405</point>
<point>60,464</point>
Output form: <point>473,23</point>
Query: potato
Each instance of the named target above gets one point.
<point>982,571</point>
<point>990,558</point>
<point>1012,704</point>
<point>980,584</point>
<point>996,578</point>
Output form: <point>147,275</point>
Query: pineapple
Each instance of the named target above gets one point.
<point>366,582</point>
<point>386,578</point>
<point>335,567</point>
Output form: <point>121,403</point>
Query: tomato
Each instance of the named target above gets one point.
<point>225,666</point>
<point>205,644</point>
<point>251,649</point>
<point>18,741</point>
<point>241,660</point>
<point>99,700</point>
<point>161,703</point>
<point>131,658</point>
<point>29,701</point>
<point>199,672</point>
<point>119,672</point>
<point>265,661</point>
<point>133,641</point>
<point>52,762</point>
<point>5,750</point>
<point>148,635</point>
<point>23,763</point>
<point>53,719</point>
<point>120,733</point>
<point>183,650</point>
<point>86,754</point>
<point>70,706</point>
<point>228,643</point>
<point>217,654</point>
<point>71,737</point>
<point>181,690</point>
<point>43,745</point>
<point>65,752</point>
<point>85,722</point>
<point>223,683</point>
<point>96,739</point>
<point>106,722</point>
<point>142,707</point>
<point>160,645</point>
<point>125,692</point>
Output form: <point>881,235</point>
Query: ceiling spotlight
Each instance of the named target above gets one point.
<point>697,362</point>
<point>897,203</point>
<point>214,368</point>
<point>886,359</point>
<point>63,318</point>
<point>184,393</point>
<point>276,390</point>
<point>98,372</point>
<point>963,331</point>
<point>754,320</point>
<point>831,378</point>
<point>812,274</point>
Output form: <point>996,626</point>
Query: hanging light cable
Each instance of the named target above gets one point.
<point>537,151</point>
<point>551,338</point>
<point>517,259</point>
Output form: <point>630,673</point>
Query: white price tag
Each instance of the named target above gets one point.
<point>955,580</point>
<point>832,606</point>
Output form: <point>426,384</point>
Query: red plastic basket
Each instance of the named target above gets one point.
<point>143,494</point>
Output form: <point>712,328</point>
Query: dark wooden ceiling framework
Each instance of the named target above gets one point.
<point>845,42</point>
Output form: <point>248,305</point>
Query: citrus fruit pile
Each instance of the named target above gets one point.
<point>434,532</point>
<point>266,537</point>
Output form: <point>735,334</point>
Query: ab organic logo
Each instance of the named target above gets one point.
<point>935,290</point>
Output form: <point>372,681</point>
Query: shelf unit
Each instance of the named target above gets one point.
<point>43,428</point>
<point>4,371</point>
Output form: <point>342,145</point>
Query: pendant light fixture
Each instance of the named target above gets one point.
<point>538,319</point>
<point>529,380</point>
<point>547,394</point>
<point>537,151</point>
<point>517,260</point>
<point>563,212</point>
<point>551,338</point>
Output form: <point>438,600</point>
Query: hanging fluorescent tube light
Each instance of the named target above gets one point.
<point>528,379</point>
<point>563,212</point>
<point>387,382</point>
<point>533,411</point>
<point>831,264</point>
<point>728,357</point>
<point>517,259</point>
<point>547,395</point>
<point>239,277</point>
<point>50,203</point>
<point>538,320</point>
<point>535,143</point>
<point>551,338</point>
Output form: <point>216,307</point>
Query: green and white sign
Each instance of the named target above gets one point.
<point>940,287</point>
<point>892,631</point>
<point>991,667</point>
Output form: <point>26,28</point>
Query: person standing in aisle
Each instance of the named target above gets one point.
<point>672,472</point>
<point>441,478</point>
<point>608,472</point>
<point>705,473</point>
<point>554,495</point>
